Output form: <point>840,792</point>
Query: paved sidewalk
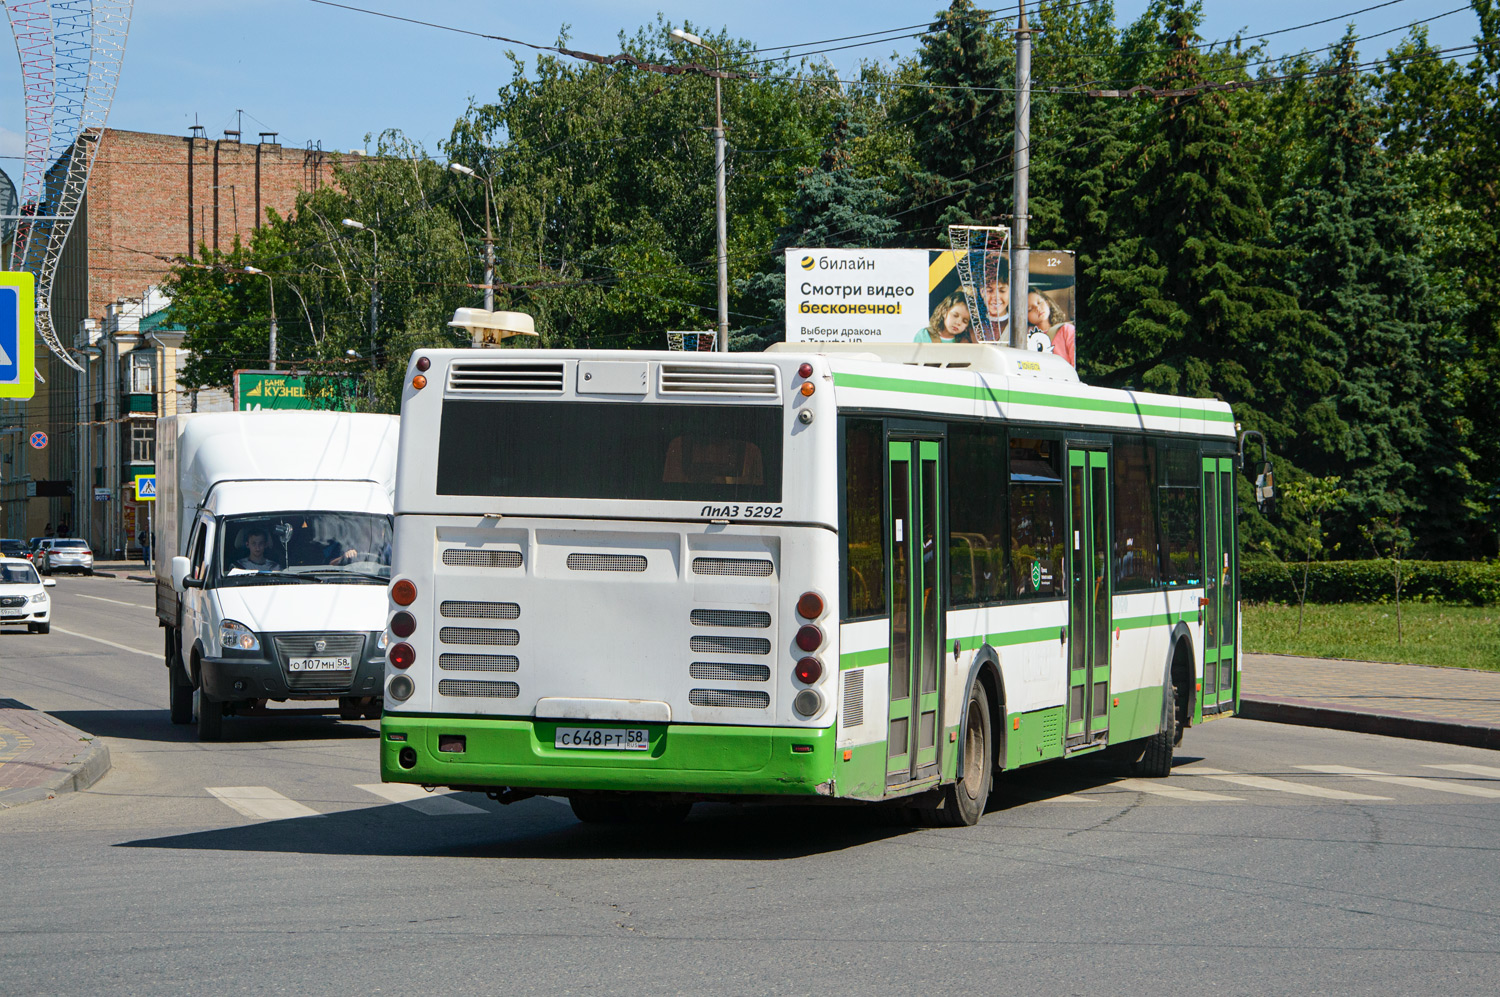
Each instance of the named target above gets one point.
<point>1455,705</point>
<point>40,756</point>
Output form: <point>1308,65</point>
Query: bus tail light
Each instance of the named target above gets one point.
<point>419,382</point>
<point>810,606</point>
<point>403,655</point>
<point>403,624</point>
<point>809,670</point>
<point>806,370</point>
<point>809,638</point>
<point>403,593</point>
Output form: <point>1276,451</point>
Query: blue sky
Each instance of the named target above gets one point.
<point>316,73</point>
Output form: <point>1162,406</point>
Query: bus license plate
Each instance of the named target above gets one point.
<point>613,738</point>
<point>339,664</point>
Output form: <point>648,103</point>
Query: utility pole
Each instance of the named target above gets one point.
<point>489,253</point>
<point>719,157</point>
<point>1020,251</point>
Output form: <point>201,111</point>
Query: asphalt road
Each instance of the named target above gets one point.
<point>1280,860</point>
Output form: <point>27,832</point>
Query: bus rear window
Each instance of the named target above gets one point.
<point>604,450</point>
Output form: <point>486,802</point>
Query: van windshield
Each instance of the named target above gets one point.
<point>304,547</point>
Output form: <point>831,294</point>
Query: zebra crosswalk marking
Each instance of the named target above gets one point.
<point>1276,785</point>
<point>1485,770</point>
<point>261,803</point>
<point>1157,788</point>
<point>1414,782</point>
<point>433,804</point>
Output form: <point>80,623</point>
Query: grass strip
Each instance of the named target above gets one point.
<point>1433,634</point>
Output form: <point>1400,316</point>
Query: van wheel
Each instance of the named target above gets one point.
<point>179,699</point>
<point>1156,761</point>
<point>963,803</point>
<point>210,718</point>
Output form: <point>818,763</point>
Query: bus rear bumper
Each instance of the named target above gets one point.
<point>519,753</point>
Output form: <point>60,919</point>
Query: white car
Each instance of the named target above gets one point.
<point>23,596</point>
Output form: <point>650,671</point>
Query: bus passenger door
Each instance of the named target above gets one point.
<point>1089,597</point>
<point>1220,600</point>
<point>916,609</point>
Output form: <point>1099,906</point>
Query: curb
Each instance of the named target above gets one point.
<point>1308,713</point>
<point>140,578</point>
<point>105,574</point>
<point>76,777</point>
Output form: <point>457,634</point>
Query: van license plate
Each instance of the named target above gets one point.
<point>613,738</point>
<point>339,664</point>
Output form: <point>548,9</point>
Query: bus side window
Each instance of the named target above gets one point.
<point>976,516</point>
<point>1180,514</point>
<point>864,522</point>
<point>1137,565</point>
<point>1038,510</point>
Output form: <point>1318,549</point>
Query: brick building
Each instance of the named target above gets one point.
<point>151,199</point>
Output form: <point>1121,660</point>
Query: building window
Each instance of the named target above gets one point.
<point>143,442</point>
<point>139,373</point>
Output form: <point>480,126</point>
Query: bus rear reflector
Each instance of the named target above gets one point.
<point>809,638</point>
<point>403,655</point>
<point>403,624</point>
<point>403,593</point>
<point>805,370</point>
<point>810,606</point>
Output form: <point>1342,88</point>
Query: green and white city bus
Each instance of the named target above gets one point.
<point>862,573</point>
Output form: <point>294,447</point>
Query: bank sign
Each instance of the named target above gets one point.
<point>255,390</point>
<point>916,295</point>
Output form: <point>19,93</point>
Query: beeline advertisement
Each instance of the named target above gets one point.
<point>916,295</point>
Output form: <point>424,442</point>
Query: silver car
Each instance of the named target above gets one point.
<point>67,555</point>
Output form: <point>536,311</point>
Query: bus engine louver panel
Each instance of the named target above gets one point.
<point>718,379</point>
<point>477,689</point>
<point>606,562</point>
<point>854,698</point>
<point>479,635</point>
<point>731,566</point>
<point>457,557</point>
<point>745,699</point>
<point>454,609</point>
<point>729,671</point>
<point>501,377</point>
<point>730,618</point>
<point>479,662</point>
<point>730,645</point>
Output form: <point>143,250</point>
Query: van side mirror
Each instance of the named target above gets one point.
<point>181,568</point>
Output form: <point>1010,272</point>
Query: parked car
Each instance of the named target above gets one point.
<point>67,554</point>
<point>23,596</point>
<point>14,548</point>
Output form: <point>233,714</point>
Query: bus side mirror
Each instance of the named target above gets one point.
<point>1265,486</point>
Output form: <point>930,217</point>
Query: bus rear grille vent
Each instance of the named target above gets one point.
<point>730,645</point>
<point>459,557</point>
<point>606,562</point>
<point>480,610</point>
<point>499,376</point>
<point>479,662</point>
<point>1051,729</point>
<point>745,699</point>
<point>731,566</point>
<point>730,618</point>
<point>729,671</point>
<point>854,698</point>
<point>718,379</point>
<point>478,635</point>
<point>477,689</point>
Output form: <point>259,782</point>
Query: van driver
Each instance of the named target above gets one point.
<point>257,539</point>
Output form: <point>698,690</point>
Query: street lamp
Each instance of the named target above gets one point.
<point>272,283</point>
<point>489,239</point>
<point>692,39</point>
<point>374,289</point>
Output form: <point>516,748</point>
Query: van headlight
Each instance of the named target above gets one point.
<point>237,637</point>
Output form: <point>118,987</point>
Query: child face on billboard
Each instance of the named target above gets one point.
<point>956,321</point>
<point>997,299</point>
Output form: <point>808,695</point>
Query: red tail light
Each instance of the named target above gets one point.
<point>809,670</point>
<point>403,624</point>
<point>805,370</point>
<point>809,638</point>
<point>403,593</point>
<point>403,655</point>
<point>810,606</point>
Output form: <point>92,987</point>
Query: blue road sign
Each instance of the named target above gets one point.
<point>39,439</point>
<point>17,335</point>
<point>145,488</point>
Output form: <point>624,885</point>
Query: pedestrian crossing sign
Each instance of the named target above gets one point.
<point>145,488</point>
<point>17,335</point>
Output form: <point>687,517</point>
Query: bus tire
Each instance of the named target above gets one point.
<point>1156,761</point>
<point>963,803</point>
<point>210,718</point>
<point>620,808</point>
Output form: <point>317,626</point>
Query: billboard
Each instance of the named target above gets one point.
<point>916,295</point>
<point>255,390</point>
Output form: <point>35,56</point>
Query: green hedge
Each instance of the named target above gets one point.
<point>1471,583</point>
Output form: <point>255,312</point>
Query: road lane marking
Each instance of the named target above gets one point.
<point>1275,785</point>
<point>117,602</point>
<point>1173,792</point>
<point>435,804</point>
<point>1486,770</point>
<point>261,802</point>
<point>154,655</point>
<point>1414,782</point>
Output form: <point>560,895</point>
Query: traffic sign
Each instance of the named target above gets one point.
<point>145,488</point>
<point>17,335</point>
<point>39,440</point>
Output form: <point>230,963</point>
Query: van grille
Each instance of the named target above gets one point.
<point>854,698</point>
<point>501,376</point>
<point>748,699</point>
<point>479,662</point>
<point>606,562</point>
<point>476,689</point>
<point>731,566</point>
<point>478,635</point>
<point>730,645</point>
<point>480,610</point>
<point>730,618</point>
<point>482,558</point>
<point>729,671</point>
<point>718,379</point>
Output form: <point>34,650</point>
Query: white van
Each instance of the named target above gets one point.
<point>280,523</point>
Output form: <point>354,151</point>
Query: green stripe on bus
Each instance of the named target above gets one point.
<point>1019,397</point>
<point>859,659</point>
<point>1154,620</point>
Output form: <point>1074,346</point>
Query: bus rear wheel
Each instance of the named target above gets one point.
<point>1155,761</point>
<point>627,808</point>
<point>963,803</point>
